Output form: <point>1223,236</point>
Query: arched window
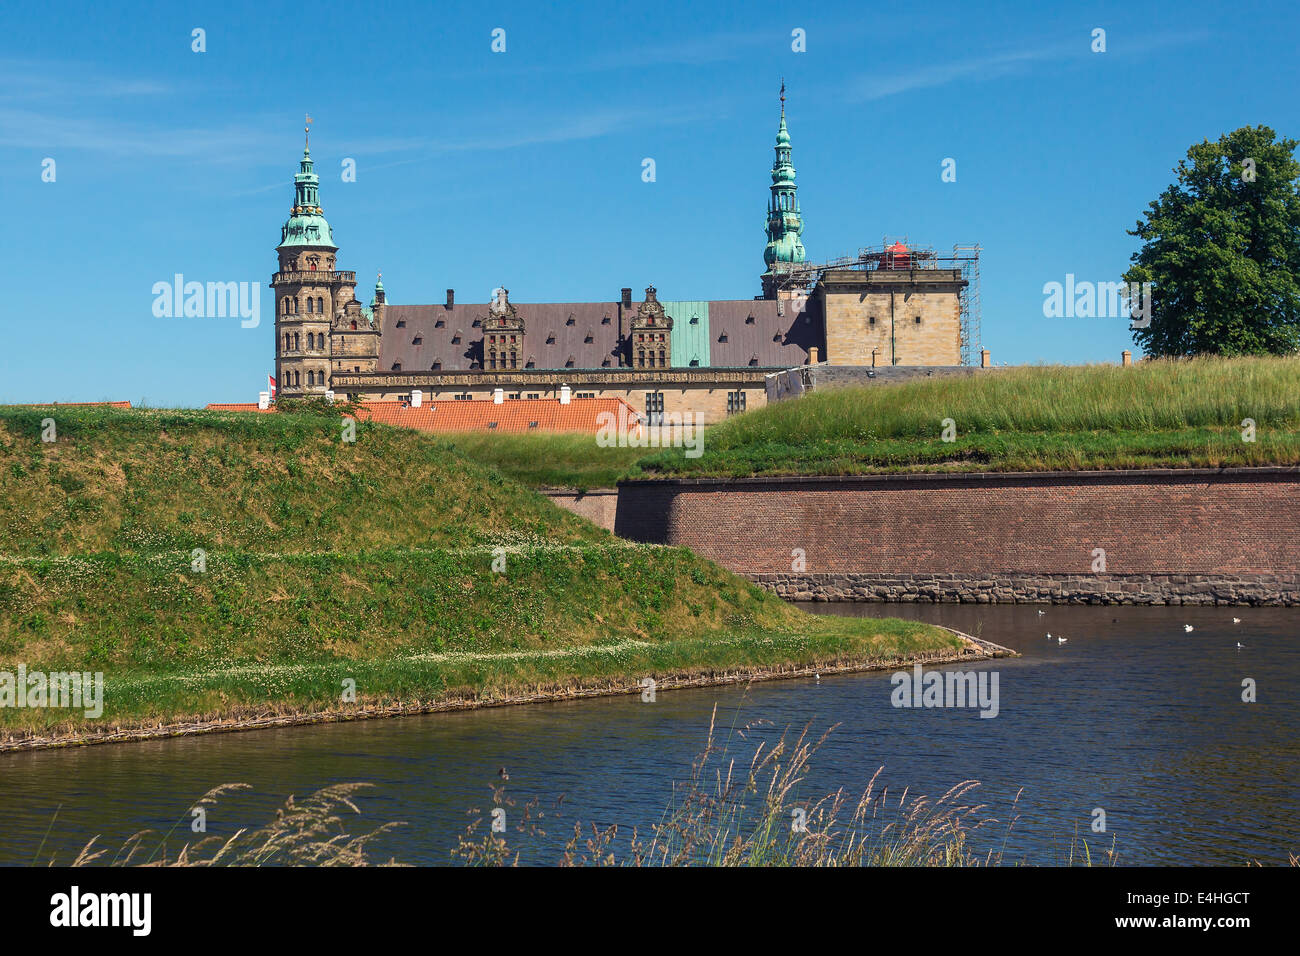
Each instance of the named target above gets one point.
<point>311,304</point>
<point>640,358</point>
<point>287,341</point>
<point>284,306</point>
<point>492,360</point>
<point>295,305</point>
<point>354,325</point>
<point>320,304</point>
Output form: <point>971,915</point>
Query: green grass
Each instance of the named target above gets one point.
<point>549,460</point>
<point>324,560</point>
<point>1155,414</point>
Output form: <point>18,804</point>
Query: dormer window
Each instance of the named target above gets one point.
<point>401,323</point>
<point>437,366</point>
<point>569,320</point>
<point>722,337</point>
<point>397,366</point>
<point>440,324</point>
<point>695,320</point>
<point>605,321</point>
<point>749,320</point>
<point>550,338</point>
<point>417,340</point>
<point>590,338</point>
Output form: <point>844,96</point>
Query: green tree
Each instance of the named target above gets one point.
<point>1221,249</point>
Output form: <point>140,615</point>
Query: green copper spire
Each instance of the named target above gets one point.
<point>784,224</point>
<point>305,225</point>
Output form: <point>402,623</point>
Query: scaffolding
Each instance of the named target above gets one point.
<point>965,258</point>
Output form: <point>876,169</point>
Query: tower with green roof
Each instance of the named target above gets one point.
<point>784,222</point>
<point>312,298</point>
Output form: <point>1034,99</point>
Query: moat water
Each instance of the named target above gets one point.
<point>1133,715</point>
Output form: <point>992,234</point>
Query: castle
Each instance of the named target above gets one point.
<point>894,305</point>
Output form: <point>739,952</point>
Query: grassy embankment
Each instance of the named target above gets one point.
<point>327,561</point>
<point>1160,414</point>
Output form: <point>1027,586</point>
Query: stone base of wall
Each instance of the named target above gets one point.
<point>599,505</point>
<point>1241,589</point>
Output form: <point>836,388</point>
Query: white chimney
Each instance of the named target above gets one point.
<point>498,396</point>
<point>263,400</point>
<point>564,394</point>
<point>329,396</point>
<point>417,398</point>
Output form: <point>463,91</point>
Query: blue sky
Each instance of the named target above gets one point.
<point>477,168</point>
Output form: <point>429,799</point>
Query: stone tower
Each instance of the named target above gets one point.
<point>503,334</point>
<point>355,332</point>
<point>784,223</point>
<point>309,293</point>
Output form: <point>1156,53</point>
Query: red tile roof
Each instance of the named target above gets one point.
<point>512,415</point>
<point>236,407</point>
<point>476,415</point>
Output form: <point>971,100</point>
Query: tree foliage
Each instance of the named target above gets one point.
<point>1221,248</point>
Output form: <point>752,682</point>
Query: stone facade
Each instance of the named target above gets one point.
<point>958,588</point>
<point>892,316</point>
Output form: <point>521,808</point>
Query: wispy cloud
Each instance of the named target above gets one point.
<point>881,86</point>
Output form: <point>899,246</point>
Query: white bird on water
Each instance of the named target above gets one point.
<point>1240,645</point>
<point>1061,640</point>
<point>1236,620</point>
<point>1049,635</point>
<point>1188,628</point>
<point>1041,613</point>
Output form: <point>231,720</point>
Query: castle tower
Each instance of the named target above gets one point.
<point>309,293</point>
<point>784,223</point>
<point>503,334</point>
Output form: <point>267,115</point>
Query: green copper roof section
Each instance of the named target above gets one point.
<point>784,222</point>
<point>306,226</point>
<point>690,337</point>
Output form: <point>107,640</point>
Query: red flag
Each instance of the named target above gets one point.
<point>270,380</point>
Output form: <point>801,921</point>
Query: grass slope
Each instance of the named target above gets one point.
<point>324,561</point>
<point>1154,414</point>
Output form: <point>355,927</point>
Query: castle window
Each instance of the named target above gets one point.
<point>663,362</point>
<point>605,321</point>
<point>654,407</point>
<point>476,324</point>
<point>777,337</point>
<point>513,359</point>
<point>401,323</point>
<point>918,320</point>
<point>735,402</point>
<point>397,366</point>
<point>569,362</point>
<point>455,339</point>
<point>589,338</point>
<point>605,364</point>
<point>492,424</point>
<point>569,320</point>
<point>749,320</point>
<point>440,324</point>
<point>354,325</point>
<point>753,360</point>
<point>311,304</point>
<point>722,337</point>
<point>530,364</point>
<point>640,358</point>
<point>284,306</point>
<point>550,338</point>
<point>872,320</point>
<point>695,320</point>
<point>695,362</point>
<point>296,342</point>
<point>417,340</point>
<point>287,341</point>
<point>320,304</point>
<point>437,366</point>
<point>532,424</point>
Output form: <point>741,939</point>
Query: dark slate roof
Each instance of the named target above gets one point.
<point>557,335</point>
<point>770,340</point>
<point>551,340</point>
